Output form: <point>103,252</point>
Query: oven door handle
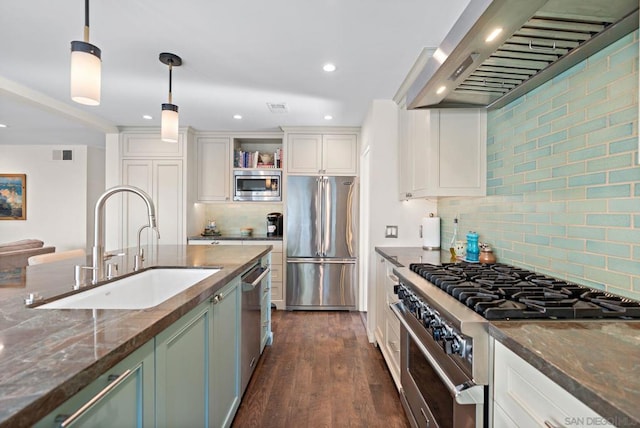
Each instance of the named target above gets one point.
<point>465,393</point>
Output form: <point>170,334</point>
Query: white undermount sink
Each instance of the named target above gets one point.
<point>139,291</point>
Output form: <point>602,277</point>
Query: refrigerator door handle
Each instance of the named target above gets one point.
<point>319,216</point>
<point>322,261</point>
<point>326,231</point>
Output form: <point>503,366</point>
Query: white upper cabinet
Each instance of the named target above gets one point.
<point>214,169</point>
<point>317,154</point>
<point>147,144</point>
<point>442,153</point>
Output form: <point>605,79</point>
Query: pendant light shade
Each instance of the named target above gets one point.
<point>86,67</point>
<point>170,121</point>
<point>85,73</point>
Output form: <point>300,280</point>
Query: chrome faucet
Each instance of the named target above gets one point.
<point>98,237</point>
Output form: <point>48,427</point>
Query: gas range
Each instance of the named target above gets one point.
<point>501,292</point>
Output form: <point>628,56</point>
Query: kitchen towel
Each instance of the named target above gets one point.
<point>431,233</point>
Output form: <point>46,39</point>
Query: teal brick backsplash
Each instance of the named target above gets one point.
<point>563,194</point>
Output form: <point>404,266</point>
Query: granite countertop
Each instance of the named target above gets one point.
<point>253,237</point>
<point>48,355</point>
<point>598,362</point>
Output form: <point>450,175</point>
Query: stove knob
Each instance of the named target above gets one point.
<point>437,332</point>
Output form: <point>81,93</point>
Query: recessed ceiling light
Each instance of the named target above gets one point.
<point>328,117</point>
<point>441,89</point>
<point>2,125</point>
<point>493,35</point>
<point>147,117</point>
<point>237,116</point>
<point>329,67</point>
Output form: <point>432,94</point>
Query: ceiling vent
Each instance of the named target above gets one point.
<point>278,107</point>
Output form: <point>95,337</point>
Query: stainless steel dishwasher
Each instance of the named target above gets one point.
<point>251,319</point>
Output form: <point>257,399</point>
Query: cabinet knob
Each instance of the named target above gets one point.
<point>216,299</point>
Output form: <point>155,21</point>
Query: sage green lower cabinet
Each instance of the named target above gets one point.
<point>182,360</point>
<point>121,397</point>
<point>224,367</point>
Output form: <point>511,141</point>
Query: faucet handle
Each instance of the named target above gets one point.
<point>107,256</point>
<point>80,275</point>
<point>112,270</point>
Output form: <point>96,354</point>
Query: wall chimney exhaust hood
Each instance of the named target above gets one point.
<point>533,41</point>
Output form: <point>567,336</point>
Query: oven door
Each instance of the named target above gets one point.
<point>435,391</point>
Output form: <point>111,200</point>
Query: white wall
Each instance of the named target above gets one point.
<point>380,137</point>
<point>57,193</point>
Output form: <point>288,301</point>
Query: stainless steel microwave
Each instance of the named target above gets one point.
<point>254,185</point>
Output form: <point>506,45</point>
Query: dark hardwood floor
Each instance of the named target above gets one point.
<point>321,371</point>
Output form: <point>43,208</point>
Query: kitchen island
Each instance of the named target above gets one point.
<point>596,361</point>
<point>46,356</point>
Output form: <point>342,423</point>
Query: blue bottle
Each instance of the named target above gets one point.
<point>473,251</point>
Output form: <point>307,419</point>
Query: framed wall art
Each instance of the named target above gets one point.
<point>13,196</point>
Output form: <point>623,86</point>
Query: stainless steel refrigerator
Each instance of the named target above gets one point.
<point>322,226</point>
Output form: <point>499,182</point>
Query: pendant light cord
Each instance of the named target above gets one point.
<point>170,78</point>
<point>86,21</point>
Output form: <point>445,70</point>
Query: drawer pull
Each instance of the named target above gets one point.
<point>89,404</point>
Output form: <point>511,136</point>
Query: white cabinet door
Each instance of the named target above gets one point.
<point>442,153</point>
<point>304,154</point>
<point>214,172</point>
<point>163,181</point>
<point>339,154</point>
<point>148,145</point>
<point>315,154</point>
<point>525,395</point>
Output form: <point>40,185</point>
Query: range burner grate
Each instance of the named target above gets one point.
<point>501,291</point>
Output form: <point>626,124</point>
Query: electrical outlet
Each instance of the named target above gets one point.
<point>391,232</point>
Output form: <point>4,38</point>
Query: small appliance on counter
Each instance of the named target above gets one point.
<point>274,224</point>
<point>211,229</point>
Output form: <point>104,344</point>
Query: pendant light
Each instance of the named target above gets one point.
<point>169,127</point>
<point>85,67</point>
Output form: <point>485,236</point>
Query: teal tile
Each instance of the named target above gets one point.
<point>588,153</point>
<point>618,220</point>
<point>617,191</point>
<point>624,292</point>
<point>523,127</point>
<point>494,182</point>
<point>568,218</point>
<point>610,77</point>
<point>624,87</point>
<point>539,196</point>
<point>588,179</point>
<point>627,145</point>
<point>613,48</point>
<point>536,261</point>
<point>624,116</point>
<point>577,92</point>
<point>550,91</point>
<point>551,207</point>
<point>624,235</point>
<point>526,166</point>
<point>588,126</point>
<point>513,179</point>
<point>588,206</point>
<point>556,159</point>
<point>555,183</point>
<point>522,148</point>
<point>537,175</point>
<point>552,230</point>
<point>556,137</point>
<point>586,282</point>
<point>538,153</point>
<point>538,110</point>
<point>554,253</point>
<point>568,170</point>
<point>495,164</point>
<point>568,194</point>
<point>627,53</point>
<point>567,267</point>
<point>536,239</point>
<point>625,175</point>
<point>524,188</point>
<point>612,133</point>
<point>608,248</point>
<point>552,115</point>
<point>570,144</point>
<point>603,276</point>
<point>567,243</point>
<point>568,121</point>
<point>610,162</point>
<point>539,218</point>
<point>587,100</point>
<point>587,232</point>
<point>623,265</point>
<point>578,68</point>
<point>538,132</point>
